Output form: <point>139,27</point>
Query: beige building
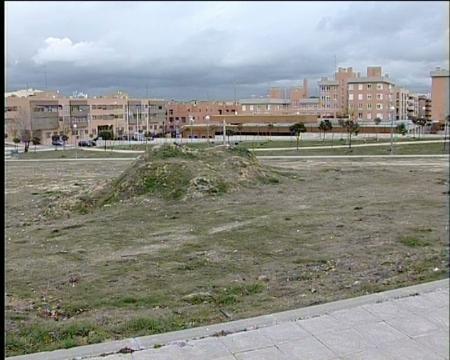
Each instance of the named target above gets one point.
<point>424,106</point>
<point>401,103</point>
<point>440,94</point>
<point>45,114</point>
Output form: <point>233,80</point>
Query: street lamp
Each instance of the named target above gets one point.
<point>207,125</point>
<point>191,120</point>
<point>76,147</point>
<point>391,112</point>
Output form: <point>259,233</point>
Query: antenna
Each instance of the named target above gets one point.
<point>45,76</point>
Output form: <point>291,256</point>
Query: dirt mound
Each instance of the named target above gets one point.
<point>177,172</point>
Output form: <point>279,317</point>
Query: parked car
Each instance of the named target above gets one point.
<point>88,143</point>
<point>57,143</point>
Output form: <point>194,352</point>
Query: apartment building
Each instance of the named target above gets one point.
<point>264,106</point>
<point>371,97</point>
<point>440,94</point>
<point>295,94</point>
<point>401,103</point>
<point>425,106</point>
<point>333,93</point>
<point>181,113</point>
<point>30,113</point>
<point>412,107</point>
<point>46,114</point>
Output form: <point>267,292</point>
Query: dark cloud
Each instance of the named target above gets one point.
<point>200,50</point>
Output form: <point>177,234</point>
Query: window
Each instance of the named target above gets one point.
<point>369,96</point>
<point>244,107</point>
<point>379,96</point>
<point>360,86</point>
<point>350,96</point>
<point>360,106</point>
<point>251,107</point>
<point>369,106</point>
<point>360,115</point>
<point>379,86</point>
<point>380,115</point>
<point>369,116</point>
<point>369,86</point>
<point>360,96</point>
<point>350,86</point>
<point>379,106</point>
<point>49,134</point>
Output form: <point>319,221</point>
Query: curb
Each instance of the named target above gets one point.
<point>146,342</point>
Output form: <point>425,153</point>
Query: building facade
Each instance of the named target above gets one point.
<point>440,95</point>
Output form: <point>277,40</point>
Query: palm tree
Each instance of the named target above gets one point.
<point>298,129</point>
<point>377,122</point>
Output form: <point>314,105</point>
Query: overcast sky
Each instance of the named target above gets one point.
<point>199,50</point>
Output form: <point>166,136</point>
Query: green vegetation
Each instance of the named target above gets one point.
<point>413,241</point>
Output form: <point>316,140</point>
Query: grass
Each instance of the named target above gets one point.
<point>410,149</point>
<point>73,154</point>
<point>413,241</point>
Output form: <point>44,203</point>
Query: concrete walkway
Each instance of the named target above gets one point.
<point>406,323</point>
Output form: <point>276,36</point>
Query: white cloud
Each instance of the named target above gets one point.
<point>82,53</point>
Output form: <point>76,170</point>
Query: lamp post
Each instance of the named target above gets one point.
<point>391,113</point>
<point>207,125</point>
<point>75,142</point>
<point>191,120</point>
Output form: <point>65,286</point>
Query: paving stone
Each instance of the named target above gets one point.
<point>208,348</point>
<point>244,341</point>
<point>437,342</point>
<point>308,348</point>
<point>271,353</point>
<point>386,310</point>
<point>379,333</point>
<point>344,342</point>
<point>409,350</point>
<point>114,357</point>
<point>169,352</point>
<point>321,324</point>
<point>416,304</point>
<point>439,317</point>
<point>284,332</point>
<point>354,316</point>
<point>412,325</point>
<point>369,354</point>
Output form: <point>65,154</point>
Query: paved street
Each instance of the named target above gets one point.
<point>409,323</point>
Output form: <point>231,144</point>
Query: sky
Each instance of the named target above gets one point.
<point>218,50</point>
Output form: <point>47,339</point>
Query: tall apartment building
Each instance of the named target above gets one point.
<point>412,107</point>
<point>401,103</point>
<point>182,113</point>
<point>424,110</point>
<point>295,94</point>
<point>333,93</point>
<point>440,94</point>
<point>371,97</point>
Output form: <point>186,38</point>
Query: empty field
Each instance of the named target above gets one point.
<point>326,230</point>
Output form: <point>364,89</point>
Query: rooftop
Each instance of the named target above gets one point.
<point>267,101</point>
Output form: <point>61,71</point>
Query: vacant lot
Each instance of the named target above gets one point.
<point>326,231</point>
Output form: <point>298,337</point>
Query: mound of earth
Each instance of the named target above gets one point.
<point>175,172</point>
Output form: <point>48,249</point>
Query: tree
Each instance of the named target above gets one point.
<point>229,132</point>
<point>297,129</point>
<point>64,139</point>
<point>421,121</point>
<point>36,141</point>
<point>401,129</point>
<point>16,141</point>
<point>270,126</point>
<point>351,127</point>
<point>324,126</point>
<point>25,137</point>
<point>106,135</point>
<point>377,122</point>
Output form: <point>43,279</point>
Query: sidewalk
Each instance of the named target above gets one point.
<point>406,323</point>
